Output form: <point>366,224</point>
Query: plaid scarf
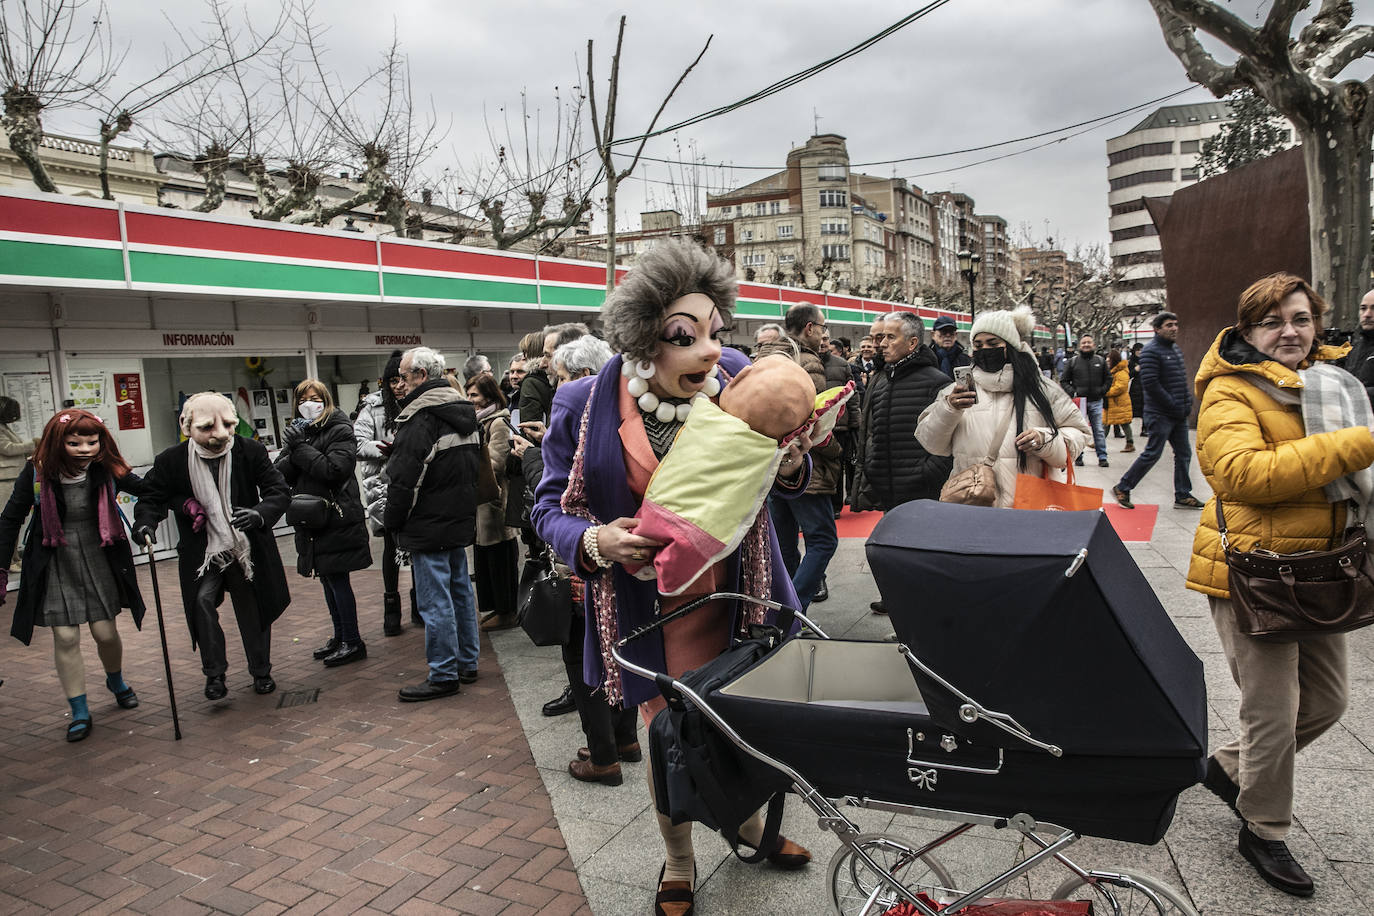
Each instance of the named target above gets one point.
<point>1334,399</point>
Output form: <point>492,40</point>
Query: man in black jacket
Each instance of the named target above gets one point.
<point>896,469</point>
<point>1360,361</point>
<point>1168,388</point>
<point>227,496</point>
<point>944,343</point>
<point>1086,377</point>
<point>431,508</point>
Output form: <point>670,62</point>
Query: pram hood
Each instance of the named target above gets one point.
<point>1089,661</point>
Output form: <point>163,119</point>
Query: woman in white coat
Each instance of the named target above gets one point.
<point>1043,427</point>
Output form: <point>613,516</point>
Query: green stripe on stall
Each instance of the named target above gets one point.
<point>73,262</point>
<point>459,289</point>
<point>576,296</point>
<point>190,270</point>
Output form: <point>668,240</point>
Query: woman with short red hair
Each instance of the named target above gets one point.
<point>78,566</point>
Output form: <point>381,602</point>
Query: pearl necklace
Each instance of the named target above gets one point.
<point>639,374</point>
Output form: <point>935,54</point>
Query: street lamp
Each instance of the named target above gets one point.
<point>968,266</point>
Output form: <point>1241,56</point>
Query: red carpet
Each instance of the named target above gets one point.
<point>1136,524</point>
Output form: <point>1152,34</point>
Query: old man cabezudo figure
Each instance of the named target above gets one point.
<point>227,496</point>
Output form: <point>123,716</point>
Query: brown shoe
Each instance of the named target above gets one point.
<point>497,622</point>
<point>629,753</point>
<point>586,771</point>
<point>674,898</point>
<point>788,856</point>
<point>1130,447</point>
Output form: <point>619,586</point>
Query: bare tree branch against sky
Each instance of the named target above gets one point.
<point>972,72</point>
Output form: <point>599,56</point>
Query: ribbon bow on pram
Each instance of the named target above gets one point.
<point>707,491</point>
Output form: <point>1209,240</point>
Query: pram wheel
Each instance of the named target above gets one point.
<point>1123,892</point>
<point>852,880</point>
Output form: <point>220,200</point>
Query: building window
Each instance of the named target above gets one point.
<point>1136,152</point>
<point>1135,178</point>
<point>835,252</point>
<point>1133,232</point>
<point>720,236</point>
<point>753,260</point>
<point>1190,146</point>
<point>1187,174</point>
<point>834,227</point>
<point>1138,257</point>
<point>834,199</point>
<point>785,231</point>
<point>831,171</point>
<point>748,235</point>
<point>1129,206</point>
<point>774,207</point>
<point>787,259</point>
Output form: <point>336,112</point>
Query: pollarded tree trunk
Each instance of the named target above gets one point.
<point>25,128</point>
<point>1336,152</point>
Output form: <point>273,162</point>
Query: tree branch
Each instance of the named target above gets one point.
<point>1217,22</point>
<point>1201,67</point>
<point>1347,48</point>
<point>645,138</point>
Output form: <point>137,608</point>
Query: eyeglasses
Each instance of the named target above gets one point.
<point>1272,323</point>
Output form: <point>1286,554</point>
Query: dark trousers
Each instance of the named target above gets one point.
<point>257,644</point>
<point>495,577</point>
<point>343,607</point>
<point>811,515</point>
<point>606,727</point>
<point>845,486</point>
<point>1161,429</point>
<point>391,570</point>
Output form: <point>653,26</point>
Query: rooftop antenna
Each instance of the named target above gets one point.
<point>817,118</point>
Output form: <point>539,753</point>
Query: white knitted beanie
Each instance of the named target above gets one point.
<point>1014,326</point>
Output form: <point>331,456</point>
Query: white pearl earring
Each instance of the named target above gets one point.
<point>644,368</point>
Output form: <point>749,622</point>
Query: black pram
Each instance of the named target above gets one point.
<point>1039,684</point>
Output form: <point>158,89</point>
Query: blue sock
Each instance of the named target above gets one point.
<point>115,681</point>
<point>79,710</point>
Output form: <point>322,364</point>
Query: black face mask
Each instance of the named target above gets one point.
<point>990,359</point>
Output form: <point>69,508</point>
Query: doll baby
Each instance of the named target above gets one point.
<point>774,396</point>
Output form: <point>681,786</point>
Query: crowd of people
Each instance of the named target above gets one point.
<point>558,452</point>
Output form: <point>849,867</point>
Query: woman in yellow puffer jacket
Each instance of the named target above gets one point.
<point>1256,455</point>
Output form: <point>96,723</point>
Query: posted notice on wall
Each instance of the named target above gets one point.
<point>128,391</point>
<point>87,388</point>
<point>33,391</point>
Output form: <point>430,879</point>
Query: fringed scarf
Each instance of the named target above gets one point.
<point>224,543</point>
<point>107,513</point>
<point>756,571</point>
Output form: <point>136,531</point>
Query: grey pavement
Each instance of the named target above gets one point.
<point>615,848</point>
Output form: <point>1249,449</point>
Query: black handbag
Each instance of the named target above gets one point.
<point>310,512</point>
<point>544,606</point>
<point>701,775</point>
<point>1282,597</point>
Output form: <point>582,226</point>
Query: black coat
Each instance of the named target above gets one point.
<point>896,468</point>
<point>1137,393</point>
<point>33,585</point>
<point>253,484</point>
<point>432,507</point>
<point>536,396</point>
<point>1087,377</point>
<point>1360,361</point>
<point>319,461</point>
<point>1165,380</point>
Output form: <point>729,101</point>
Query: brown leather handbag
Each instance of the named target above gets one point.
<point>976,485</point>
<point>1282,597</point>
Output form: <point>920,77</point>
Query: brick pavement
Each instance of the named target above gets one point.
<point>353,803</point>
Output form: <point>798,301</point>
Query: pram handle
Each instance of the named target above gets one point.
<point>784,621</point>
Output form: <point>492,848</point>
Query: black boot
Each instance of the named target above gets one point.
<point>347,652</point>
<point>415,617</point>
<point>391,614</point>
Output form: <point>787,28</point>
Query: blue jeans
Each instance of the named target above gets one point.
<point>813,515</point>
<point>444,594</point>
<point>1099,431</point>
<point>1161,429</point>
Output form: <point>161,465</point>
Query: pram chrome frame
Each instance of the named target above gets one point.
<point>831,818</point>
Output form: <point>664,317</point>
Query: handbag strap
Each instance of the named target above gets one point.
<point>1221,526</point>
<point>1000,437</point>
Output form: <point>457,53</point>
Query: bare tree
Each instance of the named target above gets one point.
<point>528,172</point>
<point>54,54</point>
<point>603,133</point>
<point>1334,119</point>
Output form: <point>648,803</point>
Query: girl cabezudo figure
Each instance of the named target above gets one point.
<point>78,566</point>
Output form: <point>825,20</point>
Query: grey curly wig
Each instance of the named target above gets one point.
<point>633,313</point>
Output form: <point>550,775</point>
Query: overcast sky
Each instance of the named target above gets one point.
<point>970,73</point>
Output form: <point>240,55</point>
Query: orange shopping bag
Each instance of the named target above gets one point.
<point>1042,493</point>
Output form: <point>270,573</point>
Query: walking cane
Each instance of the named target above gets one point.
<point>162,632</point>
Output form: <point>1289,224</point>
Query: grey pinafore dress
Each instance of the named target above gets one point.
<point>81,586</point>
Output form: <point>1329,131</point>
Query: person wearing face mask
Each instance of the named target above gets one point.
<point>317,459</point>
<point>373,430</point>
<point>229,496</point>
<point>1045,428</point>
<point>78,567</point>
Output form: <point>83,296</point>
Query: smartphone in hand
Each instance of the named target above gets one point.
<point>963,380</point>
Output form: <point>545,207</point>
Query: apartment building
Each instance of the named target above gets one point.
<point>996,274</point>
<point>1153,159</point>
